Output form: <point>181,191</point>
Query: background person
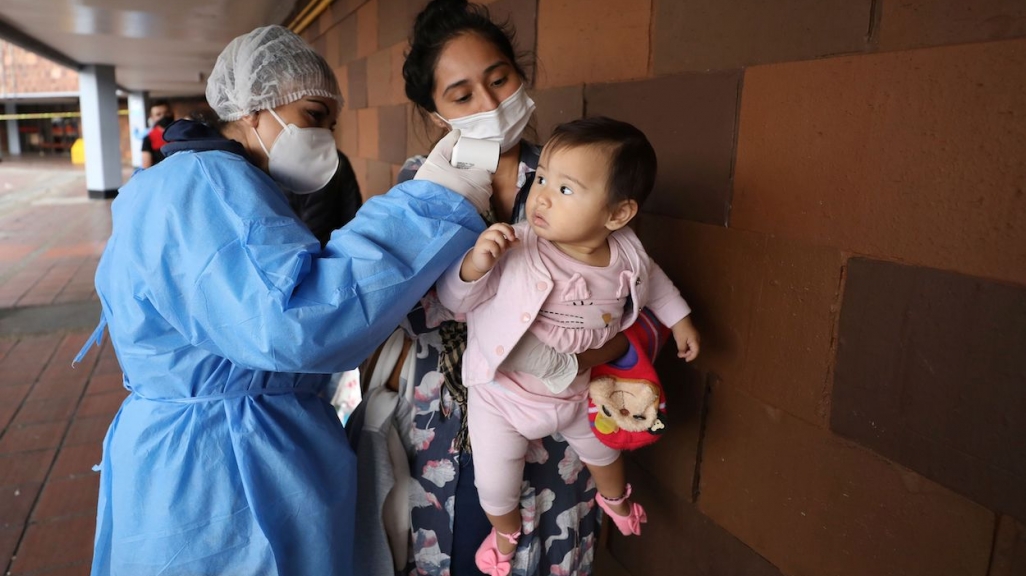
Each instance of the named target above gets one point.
<point>160,118</point>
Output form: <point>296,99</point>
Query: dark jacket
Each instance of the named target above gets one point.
<point>331,207</point>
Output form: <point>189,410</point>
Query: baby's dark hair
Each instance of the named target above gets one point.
<point>439,22</point>
<point>632,160</point>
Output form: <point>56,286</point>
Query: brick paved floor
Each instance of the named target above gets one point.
<point>52,416</point>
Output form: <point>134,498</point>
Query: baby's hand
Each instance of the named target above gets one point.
<point>490,246</point>
<point>686,335</point>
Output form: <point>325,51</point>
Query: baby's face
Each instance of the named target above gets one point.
<point>569,200</point>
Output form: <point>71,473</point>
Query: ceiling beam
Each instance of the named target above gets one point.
<point>15,36</point>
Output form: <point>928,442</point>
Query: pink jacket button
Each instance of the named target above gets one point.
<point>542,285</point>
<point>499,351</point>
<point>526,317</point>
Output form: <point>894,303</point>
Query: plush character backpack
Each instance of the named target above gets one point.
<point>626,404</point>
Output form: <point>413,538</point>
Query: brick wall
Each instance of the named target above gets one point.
<point>25,72</point>
<point>841,198</point>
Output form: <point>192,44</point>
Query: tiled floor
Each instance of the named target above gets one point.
<point>52,416</point>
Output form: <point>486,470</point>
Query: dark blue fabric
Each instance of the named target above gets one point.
<point>470,524</point>
<point>182,135</point>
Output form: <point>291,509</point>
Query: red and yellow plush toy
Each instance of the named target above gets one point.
<point>626,404</point>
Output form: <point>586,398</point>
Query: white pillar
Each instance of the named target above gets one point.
<point>99,103</point>
<point>137,124</point>
<point>13,141</point>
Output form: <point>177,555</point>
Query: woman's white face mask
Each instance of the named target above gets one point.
<point>505,124</point>
<point>301,160</point>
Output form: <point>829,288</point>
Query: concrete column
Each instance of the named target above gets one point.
<point>13,141</point>
<point>137,127</point>
<point>99,103</point>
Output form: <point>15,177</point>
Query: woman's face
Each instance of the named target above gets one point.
<point>471,76</point>
<point>307,112</point>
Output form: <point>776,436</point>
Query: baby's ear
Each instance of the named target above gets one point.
<point>622,213</point>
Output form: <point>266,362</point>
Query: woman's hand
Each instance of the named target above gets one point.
<point>474,184</point>
<point>612,350</point>
<point>490,246</point>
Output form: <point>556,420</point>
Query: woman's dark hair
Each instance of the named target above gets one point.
<point>632,160</point>
<point>439,22</point>
<point>206,116</point>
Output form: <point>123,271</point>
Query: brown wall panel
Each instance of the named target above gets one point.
<point>379,78</point>
<point>930,373</point>
<point>347,132</point>
<point>916,23</point>
<point>698,35</point>
<point>522,15</point>
<point>330,17</point>
<point>392,134</point>
<point>379,177</point>
<point>360,169</point>
<point>421,134</point>
<point>690,120</point>
<point>914,156</point>
<point>367,29</point>
<point>766,308</point>
<point>367,132</point>
<point>395,21</point>
<point>357,95</point>
<point>332,45</point>
<point>555,106</point>
<point>592,41</point>
<point>678,539</point>
<point>396,168</point>
<point>672,459</point>
<point>397,93</point>
<point>320,45</point>
<point>811,503</point>
<point>347,50</point>
<point>1009,556</point>
<point>340,9</point>
<point>342,76</point>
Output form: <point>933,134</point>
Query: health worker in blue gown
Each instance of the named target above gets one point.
<point>226,315</point>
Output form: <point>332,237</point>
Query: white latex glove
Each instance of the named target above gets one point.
<point>556,369</point>
<point>474,184</point>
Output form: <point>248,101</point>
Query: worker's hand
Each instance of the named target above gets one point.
<point>474,184</point>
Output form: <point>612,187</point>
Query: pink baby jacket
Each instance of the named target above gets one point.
<point>502,304</point>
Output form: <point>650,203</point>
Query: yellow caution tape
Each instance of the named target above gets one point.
<point>41,115</point>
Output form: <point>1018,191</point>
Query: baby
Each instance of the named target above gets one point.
<point>570,277</point>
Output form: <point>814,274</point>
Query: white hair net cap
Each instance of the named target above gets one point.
<point>267,68</point>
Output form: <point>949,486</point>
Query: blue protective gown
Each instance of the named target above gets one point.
<point>225,314</point>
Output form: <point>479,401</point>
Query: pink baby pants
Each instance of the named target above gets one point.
<point>504,416</point>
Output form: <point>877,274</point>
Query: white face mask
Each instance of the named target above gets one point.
<point>302,160</point>
<point>505,124</point>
